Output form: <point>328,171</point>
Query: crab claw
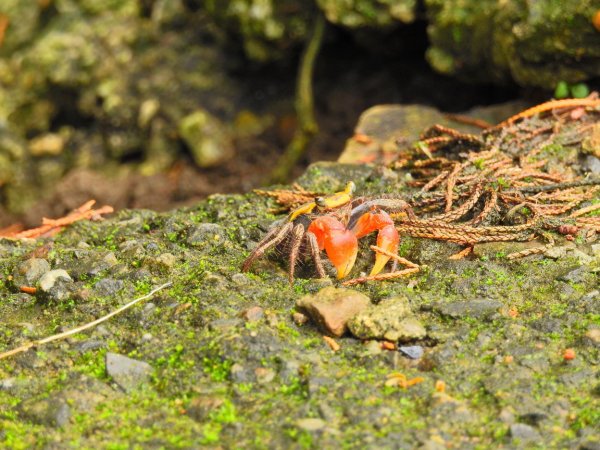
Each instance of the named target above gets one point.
<point>387,239</point>
<point>339,243</point>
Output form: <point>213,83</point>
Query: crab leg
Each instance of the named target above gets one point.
<point>315,253</point>
<point>296,241</point>
<point>273,237</point>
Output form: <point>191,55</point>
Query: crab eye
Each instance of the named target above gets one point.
<point>350,188</point>
<point>321,202</point>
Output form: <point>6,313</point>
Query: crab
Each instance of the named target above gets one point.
<point>334,224</point>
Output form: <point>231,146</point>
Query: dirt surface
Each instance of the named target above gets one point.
<point>501,353</point>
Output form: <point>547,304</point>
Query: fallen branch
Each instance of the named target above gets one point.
<point>56,337</point>
<point>50,227</point>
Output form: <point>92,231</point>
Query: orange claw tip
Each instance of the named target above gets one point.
<point>387,239</point>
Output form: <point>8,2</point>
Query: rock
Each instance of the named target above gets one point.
<point>385,125</point>
<point>33,269</point>
<point>289,370</point>
<point>89,344</point>
<point>253,314</point>
<point>412,351</point>
<point>331,308</point>
<point>53,411</point>
<point>311,424</point>
<point>241,374</point>
<point>224,324</point>
<point>299,318</point>
<point>56,285</point>
<point>83,400</point>
<point>264,375</point>
<point>500,249</point>
<point>391,319</point>
<point>568,251</point>
<point>240,279</point>
<point>49,144</point>
<point>128,373</point>
<point>524,433</point>
<point>49,279</point>
<point>578,275</point>
<point>108,286</point>
<point>593,335</point>
<point>166,260</point>
<point>200,407</point>
<point>205,233</point>
<point>161,263</point>
<point>206,137</point>
<point>592,164</point>
<point>479,308</point>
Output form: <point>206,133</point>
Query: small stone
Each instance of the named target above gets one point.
<point>253,314</point>
<point>311,424</point>
<point>407,330</point>
<point>89,344</point>
<point>299,318</point>
<point>593,334</point>
<point>239,374</point>
<point>52,411</point>
<point>49,144</point>
<point>412,351</point>
<point>596,250</point>
<point>578,275</point>
<point>524,433</point>
<point>240,279</point>
<point>34,269</point>
<point>167,260</point>
<point>264,375</point>
<point>290,370</point>
<point>200,407</point>
<point>557,252</point>
<point>478,308</point>
<point>592,164</point>
<point>83,400</point>
<point>128,373</point>
<point>373,347</point>
<point>108,286</point>
<point>582,258</point>
<point>224,324</point>
<point>207,138</point>
<point>391,319</point>
<point>331,308</point>
<point>205,233</point>
<point>163,262</point>
<point>49,279</point>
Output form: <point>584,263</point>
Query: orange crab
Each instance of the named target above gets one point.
<point>344,220</point>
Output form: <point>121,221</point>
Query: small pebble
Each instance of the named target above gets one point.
<point>299,318</point>
<point>253,314</point>
<point>412,351</point>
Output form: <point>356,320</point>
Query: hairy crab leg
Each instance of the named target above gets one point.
<point>296,241</point>
<point>315,253</point>
<point>272,238</point>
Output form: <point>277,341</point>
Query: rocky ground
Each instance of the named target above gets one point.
<point>490,352</point>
